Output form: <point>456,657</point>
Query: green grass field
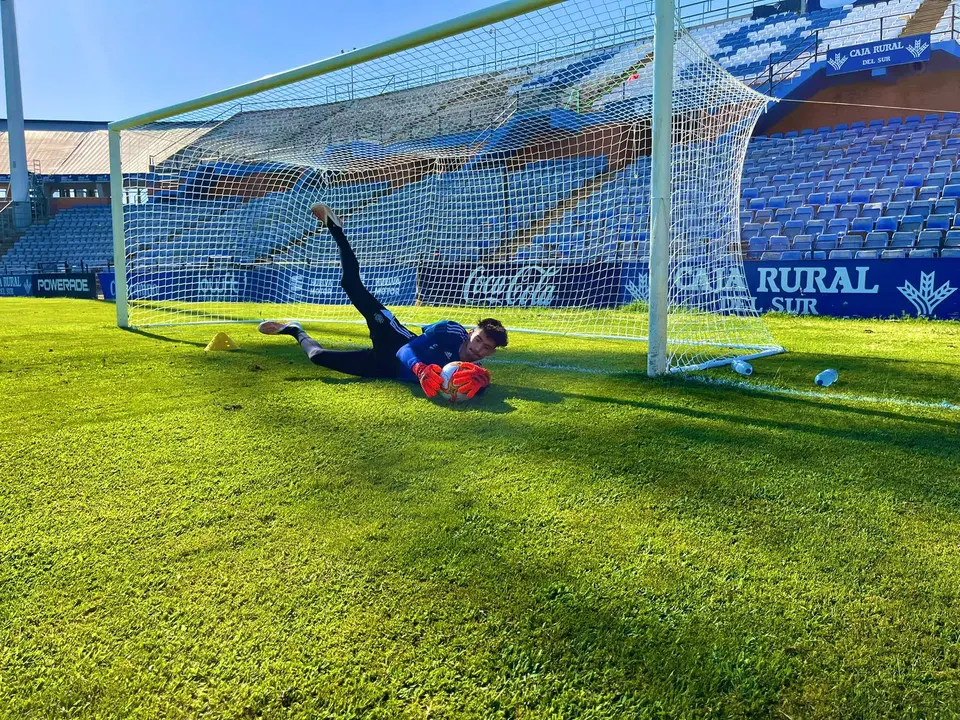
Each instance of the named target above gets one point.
<point>239,535</point>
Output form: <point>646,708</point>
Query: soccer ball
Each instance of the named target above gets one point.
<point>447,390</point>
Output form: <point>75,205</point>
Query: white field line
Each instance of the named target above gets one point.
<point>754,387</point>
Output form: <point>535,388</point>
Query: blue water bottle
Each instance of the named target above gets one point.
<point>743,367</point>
<point>826,378</point>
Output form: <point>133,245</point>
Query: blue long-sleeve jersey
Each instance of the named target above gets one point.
<point>439,344</point>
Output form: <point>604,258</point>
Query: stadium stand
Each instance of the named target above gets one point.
<point>861,188</point>
<point>894,182</point>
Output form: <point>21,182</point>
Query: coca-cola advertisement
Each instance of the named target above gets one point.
<point>530,284</point>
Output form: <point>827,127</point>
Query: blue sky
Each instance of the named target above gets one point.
<point>110,59</point>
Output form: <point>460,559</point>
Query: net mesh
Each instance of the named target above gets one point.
<point>505,169</point>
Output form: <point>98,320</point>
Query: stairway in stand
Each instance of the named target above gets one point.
<point>926,17</point>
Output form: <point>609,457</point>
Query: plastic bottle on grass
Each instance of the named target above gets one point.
<point>743,367</point>
<point>826,378</point>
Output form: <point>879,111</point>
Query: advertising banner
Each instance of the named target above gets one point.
<point>878,54</point>
<point>319,285</point>
<point>75,285</point>
<point>841,288</point>
<point>108,285</point>
<point>16,285</point>
<point>521,284</point>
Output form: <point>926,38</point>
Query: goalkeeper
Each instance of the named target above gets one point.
<point>397,352</point>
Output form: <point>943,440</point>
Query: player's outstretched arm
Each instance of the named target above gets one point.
<point>427,374</point>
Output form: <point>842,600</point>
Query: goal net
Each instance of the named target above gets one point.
<point>504,170</point>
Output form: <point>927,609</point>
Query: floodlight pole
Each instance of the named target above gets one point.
<point>19,178</point>
<point>660,177</point>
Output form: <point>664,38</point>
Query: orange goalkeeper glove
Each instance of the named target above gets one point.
<point>470,379</point>
<point>429,377</point>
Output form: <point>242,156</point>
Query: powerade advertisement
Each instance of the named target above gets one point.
<point>841,288</point>
<point>77,285</point>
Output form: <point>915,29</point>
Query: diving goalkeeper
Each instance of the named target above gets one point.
<point>397,352</point>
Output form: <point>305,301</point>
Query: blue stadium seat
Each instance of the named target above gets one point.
<point>950,253</point>
<point>898,254</point>
<point>866,255</point>
<point>769,255</point>
<point>757,204</point>
<point>806,212</point>
<point>939,222</point>
<point>888,224</point>
<point>903,240</point>
<point>826,241</point>
<point>953,239</point>
<point>905,194</point>
<point>872,210</point>
<point>929,193</point>
<point>817,198</point>
<point>791,256</point>
<point>923,254</point>
<point>793,228</point>
<point>804,243</point>
<point>841,255</point>
<point>851,242</point>
<point>777,202</point>
<point>930,238</point>
<point>755,247</point>
<point>877,240</point>
<point>951,191</point>
<point>778,243</point>
<point>816,227</point>
<point>921,208</point>
<point>861,225</point>
<point>770,229</point>
<point>826,212</point>
<point>838,226</point>
<point>896,209</point>
<point>947,206</point>
<point>849,211</point>
<point>860,196</point>
<point>795,201</point>
<point>911,223</point>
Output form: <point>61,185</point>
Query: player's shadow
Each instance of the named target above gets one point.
<point>496,399</point>
<point>164,338</point>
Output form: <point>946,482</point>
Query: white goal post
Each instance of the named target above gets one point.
<point>569,166</point>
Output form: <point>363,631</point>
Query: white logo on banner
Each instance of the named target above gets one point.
<point>926,299</point>
<point>918,48</point>
<point>838,61</point>
<point>530,285</point>
<point>639,289</point>
<point>26,285</point>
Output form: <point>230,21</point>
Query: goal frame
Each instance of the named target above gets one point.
<point>661,172</point>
